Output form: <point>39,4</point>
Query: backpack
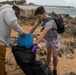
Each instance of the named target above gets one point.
<point>58,20</point>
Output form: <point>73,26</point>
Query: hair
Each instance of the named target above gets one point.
<point>39,10</point>
<point>16,8</point>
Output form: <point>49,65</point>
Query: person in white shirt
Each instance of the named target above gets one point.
<point>8,21</point>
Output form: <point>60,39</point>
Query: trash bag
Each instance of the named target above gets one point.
<point>37,68</point>
<point>41,68</point>
<point>23,55</point>
<point>26,60</point>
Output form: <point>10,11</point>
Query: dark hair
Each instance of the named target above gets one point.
<point>16,8</point>
<point>39,10</point>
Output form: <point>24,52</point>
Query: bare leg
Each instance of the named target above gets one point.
<point>49,56</point>
<point>55,59</point>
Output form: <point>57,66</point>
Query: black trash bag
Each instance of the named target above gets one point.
<point>38,68</point>
<point>26,60</point>
<point>23,55</point>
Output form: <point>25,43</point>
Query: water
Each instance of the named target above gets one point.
<point>70,11</point>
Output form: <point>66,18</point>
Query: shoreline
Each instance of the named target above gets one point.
<point>1,3</point>
<point>49,6</point>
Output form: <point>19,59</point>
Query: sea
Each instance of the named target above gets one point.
<point>58,10</point>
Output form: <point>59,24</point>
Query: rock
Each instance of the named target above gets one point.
<point>43,58</point>
<point>12,68</point>
<point>73,44</point>
<point>71,73</point>
<point>60,54</point>
<point>70,51</point>
<point>8,62</point>
<point>14,40</point>
<point>41,51</point>
<point>70,56</point>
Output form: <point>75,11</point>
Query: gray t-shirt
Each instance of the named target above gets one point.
<point>52,34</point>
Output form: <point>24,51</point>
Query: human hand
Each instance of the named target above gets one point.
<point>23,35</point>
<point>34,48</point>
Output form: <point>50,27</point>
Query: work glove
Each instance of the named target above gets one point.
<point>23,35</point>
<point>34,48</point>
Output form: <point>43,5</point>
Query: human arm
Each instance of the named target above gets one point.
<point>40,38</point>
<point>48,26</point>
<point>11,20</point>
<point>14,25</point>
<point>34,27</point>
<point>42,35</point>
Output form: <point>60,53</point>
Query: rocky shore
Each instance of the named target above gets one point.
<point>67,53</point>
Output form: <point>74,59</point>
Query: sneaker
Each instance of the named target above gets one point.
<point>54,72</point>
